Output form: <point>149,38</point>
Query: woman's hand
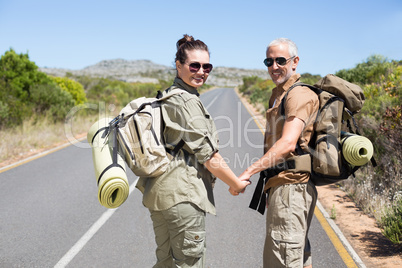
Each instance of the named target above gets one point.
<point>240,187</point>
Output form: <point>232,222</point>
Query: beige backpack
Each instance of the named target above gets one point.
<point>139,131</point>
<point>339,100</point>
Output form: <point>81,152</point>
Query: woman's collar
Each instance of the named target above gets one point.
<point>180,83</point>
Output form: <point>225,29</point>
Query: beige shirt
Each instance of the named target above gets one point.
<point>186,179</point>
<point>301,103</point>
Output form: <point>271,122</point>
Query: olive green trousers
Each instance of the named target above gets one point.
<point>180,236</point>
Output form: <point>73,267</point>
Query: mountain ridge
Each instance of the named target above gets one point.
<point>146,71</point>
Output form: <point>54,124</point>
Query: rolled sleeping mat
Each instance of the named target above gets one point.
<point>110,172</point>
<point>357,150</point>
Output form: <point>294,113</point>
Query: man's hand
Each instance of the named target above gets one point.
<point>245,176</point>
<point>241,187</point>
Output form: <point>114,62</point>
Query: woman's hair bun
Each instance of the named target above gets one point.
<point>187,43</point>
<point>186,38</point>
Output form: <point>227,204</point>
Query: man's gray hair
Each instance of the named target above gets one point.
<point>291,45</point>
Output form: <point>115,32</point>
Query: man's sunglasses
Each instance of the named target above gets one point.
<point>279,60</point>
<point>195,66</point>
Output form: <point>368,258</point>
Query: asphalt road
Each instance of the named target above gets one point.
<point>50,215</point>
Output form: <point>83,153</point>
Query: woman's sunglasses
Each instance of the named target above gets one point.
<point>279,60</point>
<point>195,66</point>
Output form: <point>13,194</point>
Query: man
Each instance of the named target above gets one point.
<point>291,197</point>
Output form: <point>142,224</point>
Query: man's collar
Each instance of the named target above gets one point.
<point>293,79</point>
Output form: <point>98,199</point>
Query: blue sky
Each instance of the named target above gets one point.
<point>331,35</point>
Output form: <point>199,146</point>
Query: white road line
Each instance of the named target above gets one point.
<point>210,104</point>
<point>65,260</point>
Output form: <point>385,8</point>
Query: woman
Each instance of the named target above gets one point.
<point>179,199</point>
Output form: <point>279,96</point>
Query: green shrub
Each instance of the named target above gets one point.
<point>248,82</point>
<point>309,78</point>
<point>366,72</point>
<point>392,223</point>
<point>52,100</point>
<point>20,90</point>
<point>73,87</point>
<point>19,74</point>
<point>257,89</point>
<point>116,92</point>
<point>4,110</point>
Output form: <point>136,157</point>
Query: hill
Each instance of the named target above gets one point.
<point>145,71</point>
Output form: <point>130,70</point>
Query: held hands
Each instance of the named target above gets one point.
<point>242,183</point>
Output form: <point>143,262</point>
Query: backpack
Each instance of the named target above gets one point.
<point>139,132</point>
<point>339,101</point>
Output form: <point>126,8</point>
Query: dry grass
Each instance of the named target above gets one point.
<point>367,193</point>
<point>35,135</point>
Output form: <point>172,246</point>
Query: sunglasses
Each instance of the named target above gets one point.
<point>279,60</point>
<point>195,66</point>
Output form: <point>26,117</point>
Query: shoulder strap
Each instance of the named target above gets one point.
<point>315,89</point>
<point>299,150</point>
<point>159,100</point>
<point>160,97</point>
<point>169,94</point>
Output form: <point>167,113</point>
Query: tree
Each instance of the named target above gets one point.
<point>24,90</point>
<point>19,74</point>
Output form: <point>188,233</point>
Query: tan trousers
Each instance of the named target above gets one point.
<point>180,236</point>
<point>289,214</point>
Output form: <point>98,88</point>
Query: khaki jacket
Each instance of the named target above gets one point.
<point>186,179</point>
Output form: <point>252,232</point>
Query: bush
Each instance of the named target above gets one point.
<point>21,86</point>
<point>309,78</point>
<point>392,223</point>
<point>116,92</point>
<point>73,87</point>
<point>52,100</point>
<point>257,89</point>
<point>18,74</point>
<point>367,72</point>
<point>248,82</point>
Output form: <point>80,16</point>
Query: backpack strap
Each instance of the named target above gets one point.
<point>259,198</point>
<point>114,153</point>
<point>175,91</point>
<point>318,91</point>
<point>158,102</point>
<point>315,89</point>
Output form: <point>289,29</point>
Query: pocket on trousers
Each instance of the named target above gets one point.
<point>290,248</point>
<point>294,255</point>
<point>194,243</point>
